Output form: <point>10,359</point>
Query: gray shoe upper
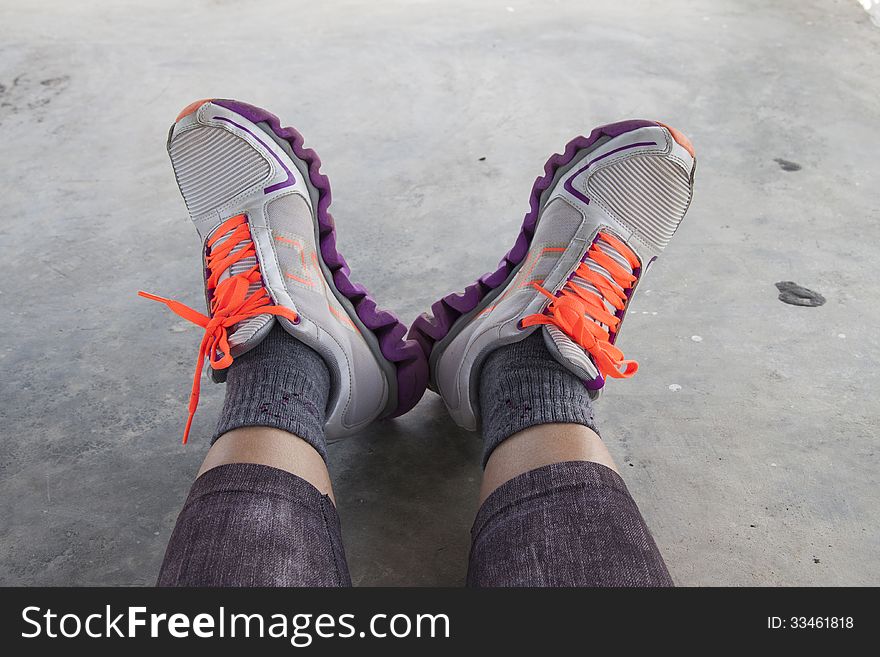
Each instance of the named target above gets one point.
<point>637,187</point>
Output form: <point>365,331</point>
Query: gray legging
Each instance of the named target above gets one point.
<point>566,524</point>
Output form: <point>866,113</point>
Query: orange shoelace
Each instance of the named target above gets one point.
<point>230,303</point>
<point>578,312</point>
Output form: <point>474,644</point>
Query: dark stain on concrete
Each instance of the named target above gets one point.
<point>55,82</point>
<point>25,95</point>
<point>787,165</point>
<point>796,295</point>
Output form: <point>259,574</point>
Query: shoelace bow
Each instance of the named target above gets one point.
<point>230,302</point>
<point>578,312</point>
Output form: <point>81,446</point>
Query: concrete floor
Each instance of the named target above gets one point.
<point>752,452</point>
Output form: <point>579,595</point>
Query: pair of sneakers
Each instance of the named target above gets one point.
<point>600,215</point>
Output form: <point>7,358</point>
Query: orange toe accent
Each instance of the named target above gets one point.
<point>192,107</point>
<point>682,141</point>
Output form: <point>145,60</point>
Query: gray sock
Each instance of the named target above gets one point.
<point>280,383</point>
<point>522,385</point>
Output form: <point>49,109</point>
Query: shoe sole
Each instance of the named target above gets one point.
<point>449,315</point>
<point>384,333</point>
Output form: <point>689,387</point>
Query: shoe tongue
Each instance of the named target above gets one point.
<point>566,351</point>
<point>569,354</point>
<point>239,267</point>
<point>608,250</point>
<point>254,328</point>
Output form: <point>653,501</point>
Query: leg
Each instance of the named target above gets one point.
<point>304,351</point>
<point>528,346</point>
<point>554,512</point>
<point>261,512</point>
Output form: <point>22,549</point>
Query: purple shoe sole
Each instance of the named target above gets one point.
<point>406,355</point>
<point>430,328</point>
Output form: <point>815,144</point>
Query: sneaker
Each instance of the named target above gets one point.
<point>260,205</point>
<point>599,216</point>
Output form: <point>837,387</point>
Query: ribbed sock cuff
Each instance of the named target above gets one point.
<point>280,383</point>
<point>521,386</point>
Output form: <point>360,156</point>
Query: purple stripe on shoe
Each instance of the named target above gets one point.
<point>271,188</point>
<point>569,186</point>
<point>594,384</point>
<point>405,354</point>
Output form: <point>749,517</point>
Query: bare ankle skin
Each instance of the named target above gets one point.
<point>273,447</point>
<point>542,445</point>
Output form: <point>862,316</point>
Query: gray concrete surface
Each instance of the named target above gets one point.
<point>762,467</point>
